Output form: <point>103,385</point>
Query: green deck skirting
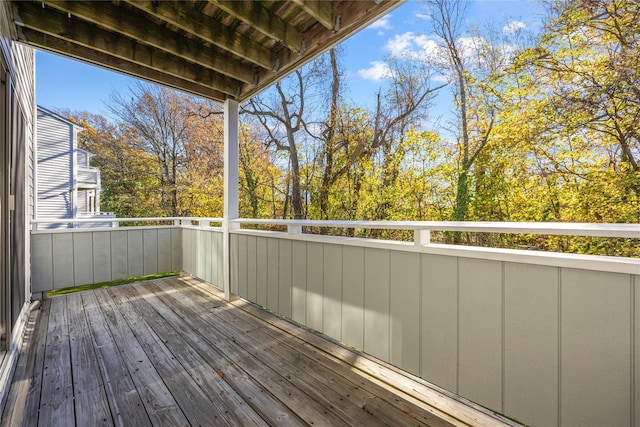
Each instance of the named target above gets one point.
<point>110,283</point>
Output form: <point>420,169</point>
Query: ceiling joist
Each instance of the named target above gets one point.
<point>209,30</point>
<point>256,16</point>
<point>71,50</point>
<point>70,28</point>
<point>137,28</point>
<point>322,11</point>
<point>218,49</point>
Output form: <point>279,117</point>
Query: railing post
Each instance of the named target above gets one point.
<point>231,125</point>
<point>421,237</point>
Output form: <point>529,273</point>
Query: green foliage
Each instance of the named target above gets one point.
<point>109,284</point>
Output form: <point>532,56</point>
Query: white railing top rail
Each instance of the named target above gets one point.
<point>630,231</point>
<point>110,220</point>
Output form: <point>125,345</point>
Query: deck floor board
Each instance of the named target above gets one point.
<point>173,352</point>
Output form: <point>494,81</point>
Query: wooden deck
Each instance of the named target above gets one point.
<point>172,352</point>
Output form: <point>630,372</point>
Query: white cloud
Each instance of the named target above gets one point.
<point>469,46</point>
<point>413,46</point>
<point>378,70</point>
<point>423,16</point>
<point>382,24</point>
<point>400,43</point>
<point>513,26</point>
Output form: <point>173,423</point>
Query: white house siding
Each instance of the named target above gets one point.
<point>55,166</point>
<point>17,62</point>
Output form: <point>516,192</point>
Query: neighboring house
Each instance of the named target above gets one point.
<point>68,188</point>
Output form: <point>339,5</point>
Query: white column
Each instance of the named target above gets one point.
<point>231,125</point>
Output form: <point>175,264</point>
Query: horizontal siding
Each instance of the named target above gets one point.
<point>66,259</point>
<point>544,345</point>
<point>55,173</point>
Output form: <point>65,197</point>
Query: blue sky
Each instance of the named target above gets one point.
<point>67,84</point>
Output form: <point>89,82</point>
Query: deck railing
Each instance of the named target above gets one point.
<point>547,338</point>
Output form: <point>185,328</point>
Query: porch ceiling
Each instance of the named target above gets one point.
<point>218,49</point>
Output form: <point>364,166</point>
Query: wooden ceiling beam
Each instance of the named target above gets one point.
<point>115,18</point>
<point>209,30</point>
<point>51,22</point>
<point>85,54</point>
<point>320,10</point>
<point>257,16</point>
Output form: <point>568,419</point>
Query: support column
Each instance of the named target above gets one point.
<point>231,155</point>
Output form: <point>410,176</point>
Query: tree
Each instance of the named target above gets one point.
<point>282,118</point>
<point>185,144</point>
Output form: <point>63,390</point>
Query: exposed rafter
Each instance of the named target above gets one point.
<point>321,10</point>
<point>219,49</point>
<point>209,30</point>
<point>256,16</point>
<point>147,32</point>
<point>72,29</point>
<point>91,56</point>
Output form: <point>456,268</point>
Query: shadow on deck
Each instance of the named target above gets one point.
<point>172,352</point>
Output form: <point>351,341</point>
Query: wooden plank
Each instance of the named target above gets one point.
<point>196,406</point>
<point>344,396</point>
<point>332,291</point>
<point>299,285</point>
<point>284,277</point>
<point>91,407</point>
<point>315,283</point>
<point>261,271</point>
<point>135,252</point>
<point>376,303</point>
<point>322,11</point>
<point>392,400</point>
<point>226,405</point>
<point>82,258</point>
<point>157,399</point>
<point>62,260</point>
<point>405,311</point>
<point>204,27</point>
<point>392,376</point>
<point>119,255</point>
<point>78,32</point>
<point>595,352</point>
<point>531,343</point>
<point>106,16</point>
<point>353,296</point>
<point>23,402</point>
<point>273,253</point>
<point>439,327</point>
<point>56,400</point>
<point>258,17</point>
<point>101,256</point>
<point>124,400</point>
<point>237,369</point>
<point>281,387</point>
<point>115,63</point>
